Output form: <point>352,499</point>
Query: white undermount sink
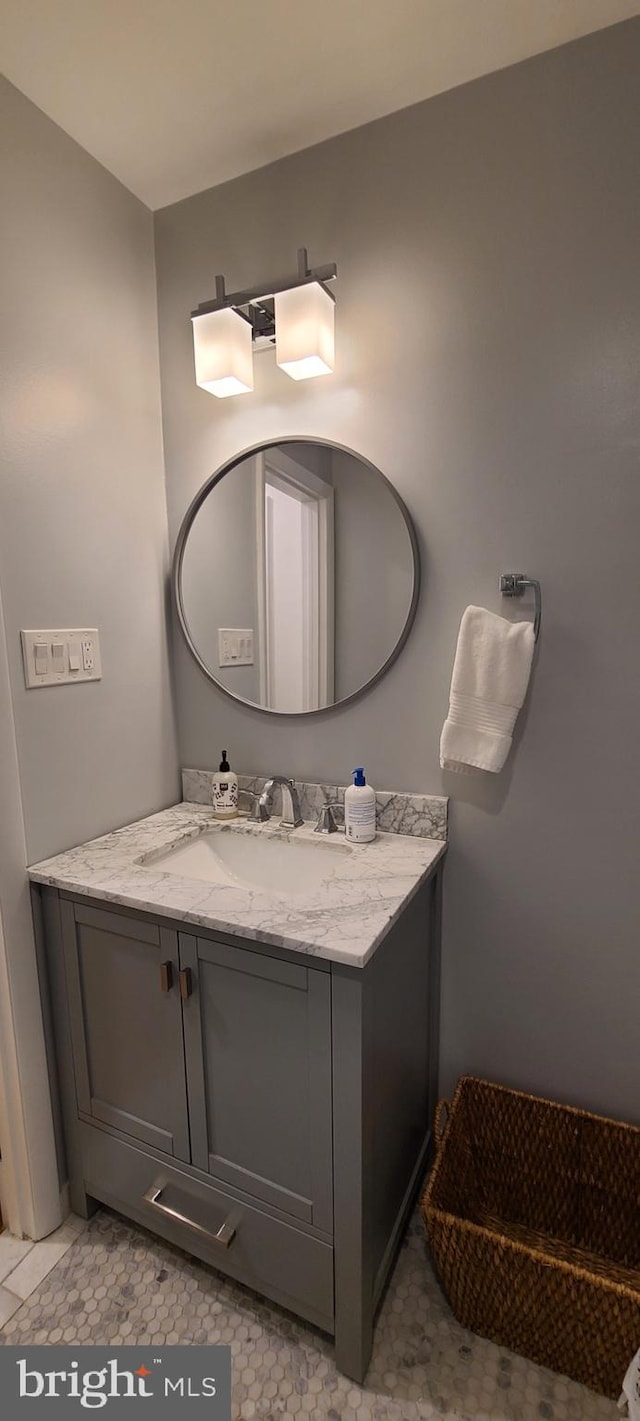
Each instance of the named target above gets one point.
<point>255,860</point>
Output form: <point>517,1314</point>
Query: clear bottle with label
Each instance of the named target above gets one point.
<point>360,810</point>
<point>224,791</point>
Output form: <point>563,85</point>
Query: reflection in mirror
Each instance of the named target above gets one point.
<point>296,576</point>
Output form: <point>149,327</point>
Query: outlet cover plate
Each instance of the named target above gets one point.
<point>235,646</point>
<point>44,666</point>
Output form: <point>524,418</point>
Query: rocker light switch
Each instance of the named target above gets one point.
<point>41,658</point>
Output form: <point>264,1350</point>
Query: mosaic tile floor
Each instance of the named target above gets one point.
<point>119,1284</point>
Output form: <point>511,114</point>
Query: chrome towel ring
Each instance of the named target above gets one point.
<point>514,584</point>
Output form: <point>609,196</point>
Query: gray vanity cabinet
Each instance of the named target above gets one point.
<point>258,1053</point>
<point>265,1109</point>
<point>123,981</point>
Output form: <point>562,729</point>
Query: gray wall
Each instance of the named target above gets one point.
<point>488,330</point>
<point>83,537</point>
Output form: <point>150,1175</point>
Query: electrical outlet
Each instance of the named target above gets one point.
<point>88,655</point>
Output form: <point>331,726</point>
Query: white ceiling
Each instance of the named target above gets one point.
<point>174,96</point>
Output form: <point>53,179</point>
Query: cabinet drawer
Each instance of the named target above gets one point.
<point>275,1258</point>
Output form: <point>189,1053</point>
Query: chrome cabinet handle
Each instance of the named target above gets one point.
<point>225,1235</point>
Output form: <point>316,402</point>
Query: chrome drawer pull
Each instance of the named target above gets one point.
<point>225,1235</point>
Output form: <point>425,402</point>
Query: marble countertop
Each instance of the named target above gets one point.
<point>344,919</point>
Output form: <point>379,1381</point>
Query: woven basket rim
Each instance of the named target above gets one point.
<point>576,1270</point>
<point>538,1100</point>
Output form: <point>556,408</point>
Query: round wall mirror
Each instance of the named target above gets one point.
<point>296,576</point>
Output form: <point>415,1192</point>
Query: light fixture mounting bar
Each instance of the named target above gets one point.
<point>306,274</point>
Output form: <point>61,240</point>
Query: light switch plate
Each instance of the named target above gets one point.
<point>235,646</point>
<point>50,649</point>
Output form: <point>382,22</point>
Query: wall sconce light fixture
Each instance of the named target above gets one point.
<point>297,316</point>
<point>305,323</point>
<point>222,347</point>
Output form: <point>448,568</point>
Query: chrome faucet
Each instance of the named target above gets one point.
<point>291,816</point>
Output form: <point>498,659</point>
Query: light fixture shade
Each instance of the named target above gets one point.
<point>305,339</point>
<point>222,347</point>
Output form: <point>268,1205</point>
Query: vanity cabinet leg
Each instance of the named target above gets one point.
<point>81,1202</point>
<point>353,1109</point>
<point>353,1346</point>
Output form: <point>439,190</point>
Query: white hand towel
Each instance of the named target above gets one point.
<point>488,685</point>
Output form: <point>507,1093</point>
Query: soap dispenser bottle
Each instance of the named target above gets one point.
<point>360,810</point>
<point>224,791</point>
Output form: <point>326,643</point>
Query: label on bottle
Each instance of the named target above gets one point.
<point>361,820</point>
<point>225,796</point>
<point>362,813</point>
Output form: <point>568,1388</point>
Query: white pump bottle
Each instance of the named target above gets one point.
<point>224,791</point>
<point>360,810</point>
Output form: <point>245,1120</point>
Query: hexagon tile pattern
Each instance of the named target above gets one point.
<point>119,1284</point>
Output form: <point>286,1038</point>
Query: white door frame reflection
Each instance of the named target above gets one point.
<point>295,575</point>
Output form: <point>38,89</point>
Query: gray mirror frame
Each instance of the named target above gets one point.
<point>178,557</point>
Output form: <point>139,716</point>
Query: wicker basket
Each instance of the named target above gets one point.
<point>532,1211</point>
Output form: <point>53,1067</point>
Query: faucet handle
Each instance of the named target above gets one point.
<point>327,820</point>
<point>258,812</point>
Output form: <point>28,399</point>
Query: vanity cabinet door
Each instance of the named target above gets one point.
<point>123,985</point>
<point>258,1051</point>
